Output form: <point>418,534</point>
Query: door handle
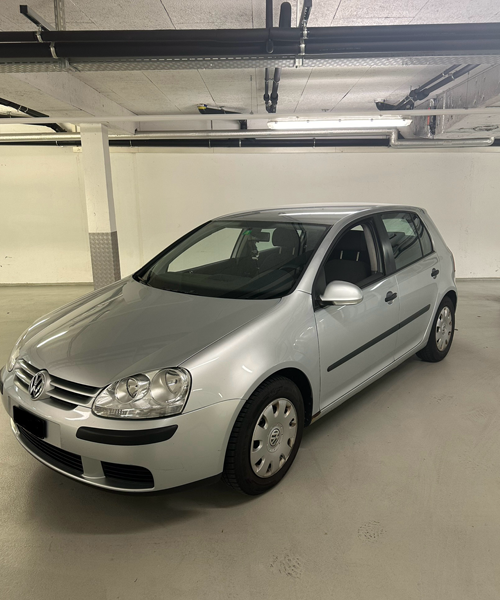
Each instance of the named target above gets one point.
<point>391,296</point>
<point>434,273</point>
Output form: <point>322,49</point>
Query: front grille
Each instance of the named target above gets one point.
<point>60,390</point>
<point>122,476</point>
<point>67,461</point>
<point>137,476</point>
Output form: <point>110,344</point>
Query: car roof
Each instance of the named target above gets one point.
<point>328,214</point>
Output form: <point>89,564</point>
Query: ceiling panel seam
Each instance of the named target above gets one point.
<point>161,92</point>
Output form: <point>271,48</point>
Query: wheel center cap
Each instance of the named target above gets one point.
<point>275,437</point>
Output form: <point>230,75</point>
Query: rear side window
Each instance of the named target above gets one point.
<point>403,236</point>
<point>425,238</point>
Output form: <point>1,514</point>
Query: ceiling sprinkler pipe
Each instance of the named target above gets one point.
<point>222,134</point>
<point>440,143</point>
<point>203,134</point>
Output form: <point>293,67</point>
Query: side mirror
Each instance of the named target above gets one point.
<point>341,293</point>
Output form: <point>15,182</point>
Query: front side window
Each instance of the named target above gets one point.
<point>236,259</point>
<point>355,257</point>
<point>403,236</point>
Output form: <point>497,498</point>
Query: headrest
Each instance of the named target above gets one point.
<point>285,237</point>
<point>352,240</point>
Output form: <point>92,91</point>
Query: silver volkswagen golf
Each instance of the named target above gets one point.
<point>212,358</point>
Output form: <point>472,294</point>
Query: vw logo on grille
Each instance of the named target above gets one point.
<point>38,385</point>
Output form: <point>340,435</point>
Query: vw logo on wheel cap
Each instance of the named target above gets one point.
<point>38,384</point>
<point>274,437</point>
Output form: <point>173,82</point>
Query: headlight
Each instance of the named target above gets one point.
<point>145,396</point>
<point>14,355</point>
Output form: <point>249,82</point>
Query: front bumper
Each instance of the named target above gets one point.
<point>194,451</point>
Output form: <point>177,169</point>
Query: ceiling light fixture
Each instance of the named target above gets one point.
<point>345,123</point>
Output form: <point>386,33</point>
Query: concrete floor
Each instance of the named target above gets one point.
<point>395,495</point>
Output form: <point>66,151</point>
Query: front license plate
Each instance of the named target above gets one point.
<point>30,422</point>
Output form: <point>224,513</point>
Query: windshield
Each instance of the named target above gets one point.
<point>236,259</point>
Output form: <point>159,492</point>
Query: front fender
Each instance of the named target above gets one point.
<point>233,367</point>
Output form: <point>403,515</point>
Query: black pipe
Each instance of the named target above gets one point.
<point>269,14</point>
<point>479,32</point>
<point>31,113</point>
<point>218,143</point>
<point>274,93</point>
<point>334,42</point>
<point>203,109</point>
<point>267,79</point>
<point>449,79</point>
<point>284,23</point>
<point>423,91</point>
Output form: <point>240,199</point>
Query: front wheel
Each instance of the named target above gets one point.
<point>441,336</point>
<point>265,438</point>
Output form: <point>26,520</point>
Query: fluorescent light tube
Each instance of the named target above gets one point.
<point>347,123</point>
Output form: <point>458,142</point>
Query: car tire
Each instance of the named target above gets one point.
<point>265,438</point>
<point>442,332</point>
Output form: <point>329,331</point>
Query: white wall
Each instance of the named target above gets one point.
<point>160,195</point>
<point>43,232</point>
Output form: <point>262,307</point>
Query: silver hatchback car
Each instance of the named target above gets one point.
<point>212,358</point>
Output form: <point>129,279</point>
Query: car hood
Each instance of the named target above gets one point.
<point>130,328</point>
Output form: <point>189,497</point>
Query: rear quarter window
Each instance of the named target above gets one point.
<point>425,238</point>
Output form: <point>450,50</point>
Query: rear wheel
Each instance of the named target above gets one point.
<point>265,438</point>
<point>442,332</point>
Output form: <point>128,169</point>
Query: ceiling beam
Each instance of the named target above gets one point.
<point>66,88</point>
<point>261,117</point>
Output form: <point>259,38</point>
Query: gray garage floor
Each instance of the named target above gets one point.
<point>394,496</point>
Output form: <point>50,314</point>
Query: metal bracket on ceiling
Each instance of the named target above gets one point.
<point>35,18</point>
<point>43,25</point>
<point>304,18</point>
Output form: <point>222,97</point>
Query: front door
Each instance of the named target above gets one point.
<point>357,341</point>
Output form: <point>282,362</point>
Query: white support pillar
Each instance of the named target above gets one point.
<point>100,205</point>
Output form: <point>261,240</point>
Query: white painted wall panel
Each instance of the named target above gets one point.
<point>160,195</point>
<point>43,233</point>
<point>178,191</point>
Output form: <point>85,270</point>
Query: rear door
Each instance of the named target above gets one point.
<point>416,266</point>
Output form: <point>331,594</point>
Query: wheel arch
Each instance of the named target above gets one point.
<point>301,380</point>
<point>452,295</point>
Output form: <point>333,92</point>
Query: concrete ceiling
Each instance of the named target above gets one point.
<point>301,90</point>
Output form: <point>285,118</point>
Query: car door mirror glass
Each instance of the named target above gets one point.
<point>341,293</point>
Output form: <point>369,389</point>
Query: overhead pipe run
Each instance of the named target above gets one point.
<point>201,134</point>
<point>204,109</point>
<point>242,48</point>
<point>395,142</point>
<point>285,22</point>
<point>390,135</point>
<point>30,112</point>
<point>423,91</point>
